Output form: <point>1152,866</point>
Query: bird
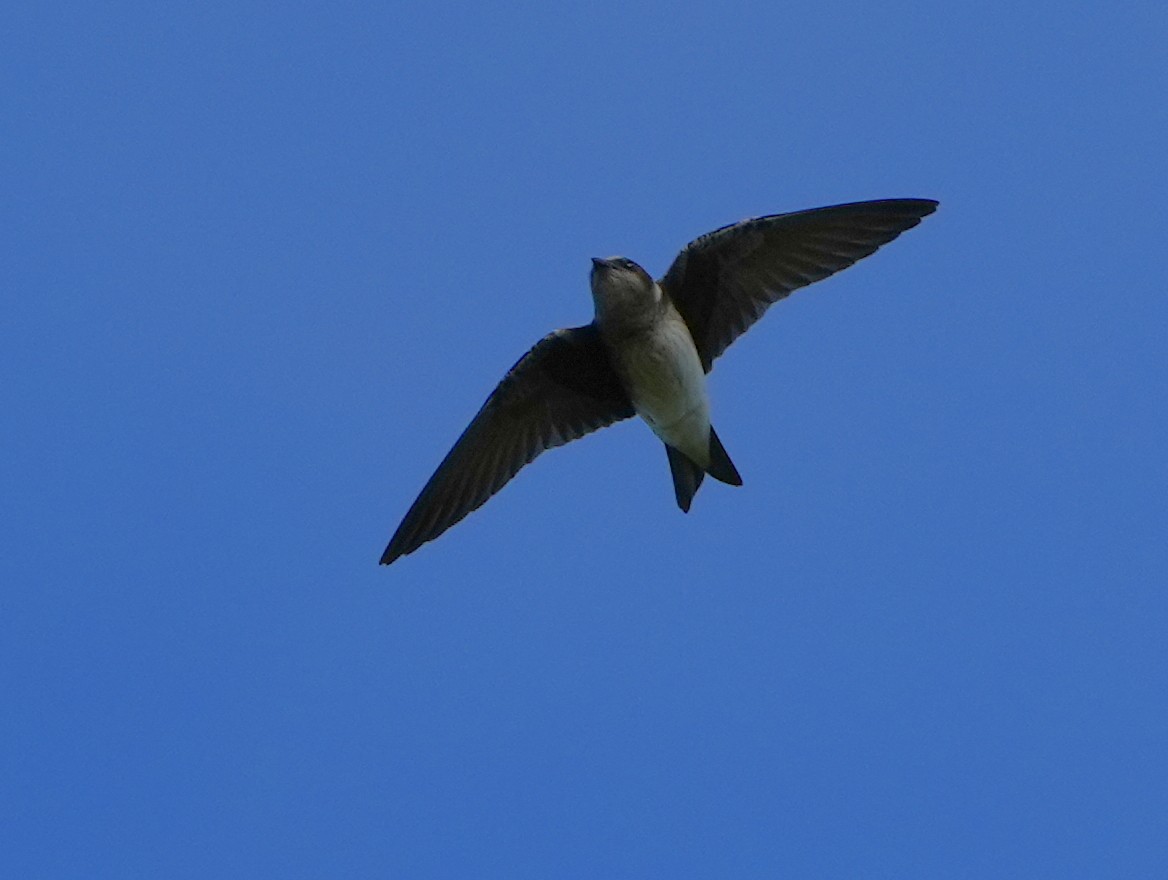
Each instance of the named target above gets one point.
<point>646,353</point>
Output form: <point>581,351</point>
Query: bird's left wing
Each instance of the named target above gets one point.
<point>559,391</point>
<point>723,282</point>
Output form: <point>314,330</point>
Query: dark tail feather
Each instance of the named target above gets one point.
<point>721,467</point>
<point>687,476</point>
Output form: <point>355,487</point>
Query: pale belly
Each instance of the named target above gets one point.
<point>667,385</point>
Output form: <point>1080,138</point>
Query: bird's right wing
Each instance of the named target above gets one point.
<point>559,391</point>
<point>723,282</point>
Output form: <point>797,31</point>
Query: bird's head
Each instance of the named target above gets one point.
<point>622,290</point>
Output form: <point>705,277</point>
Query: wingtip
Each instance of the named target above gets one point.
<point>920,208</point>
<point>914,206</point>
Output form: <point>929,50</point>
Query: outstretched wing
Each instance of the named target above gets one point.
<point>559,391</point>
<point>723,282</point>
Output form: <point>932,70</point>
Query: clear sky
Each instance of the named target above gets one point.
<point>261,264</point>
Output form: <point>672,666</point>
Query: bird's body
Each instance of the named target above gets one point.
<point>659,367</point>
<point>647,353</point>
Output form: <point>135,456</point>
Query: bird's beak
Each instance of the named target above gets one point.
<point>598,263</point>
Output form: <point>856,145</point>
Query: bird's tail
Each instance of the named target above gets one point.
<point>687,476</point>
<point>721,467</point>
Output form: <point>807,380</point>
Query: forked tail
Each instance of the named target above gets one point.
<point>687,476</point>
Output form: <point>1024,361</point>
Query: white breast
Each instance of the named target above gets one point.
<point>668,386</point>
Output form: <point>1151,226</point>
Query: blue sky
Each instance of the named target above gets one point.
<point>263,263</point>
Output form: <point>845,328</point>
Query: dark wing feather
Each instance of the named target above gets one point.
<point>559,391</point>
<point>723,282</point>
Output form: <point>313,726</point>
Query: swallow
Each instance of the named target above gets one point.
<point>647,352</point>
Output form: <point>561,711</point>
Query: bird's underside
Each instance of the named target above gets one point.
<point>572,383</point>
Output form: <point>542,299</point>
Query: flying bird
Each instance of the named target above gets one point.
<point>647,352</point>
